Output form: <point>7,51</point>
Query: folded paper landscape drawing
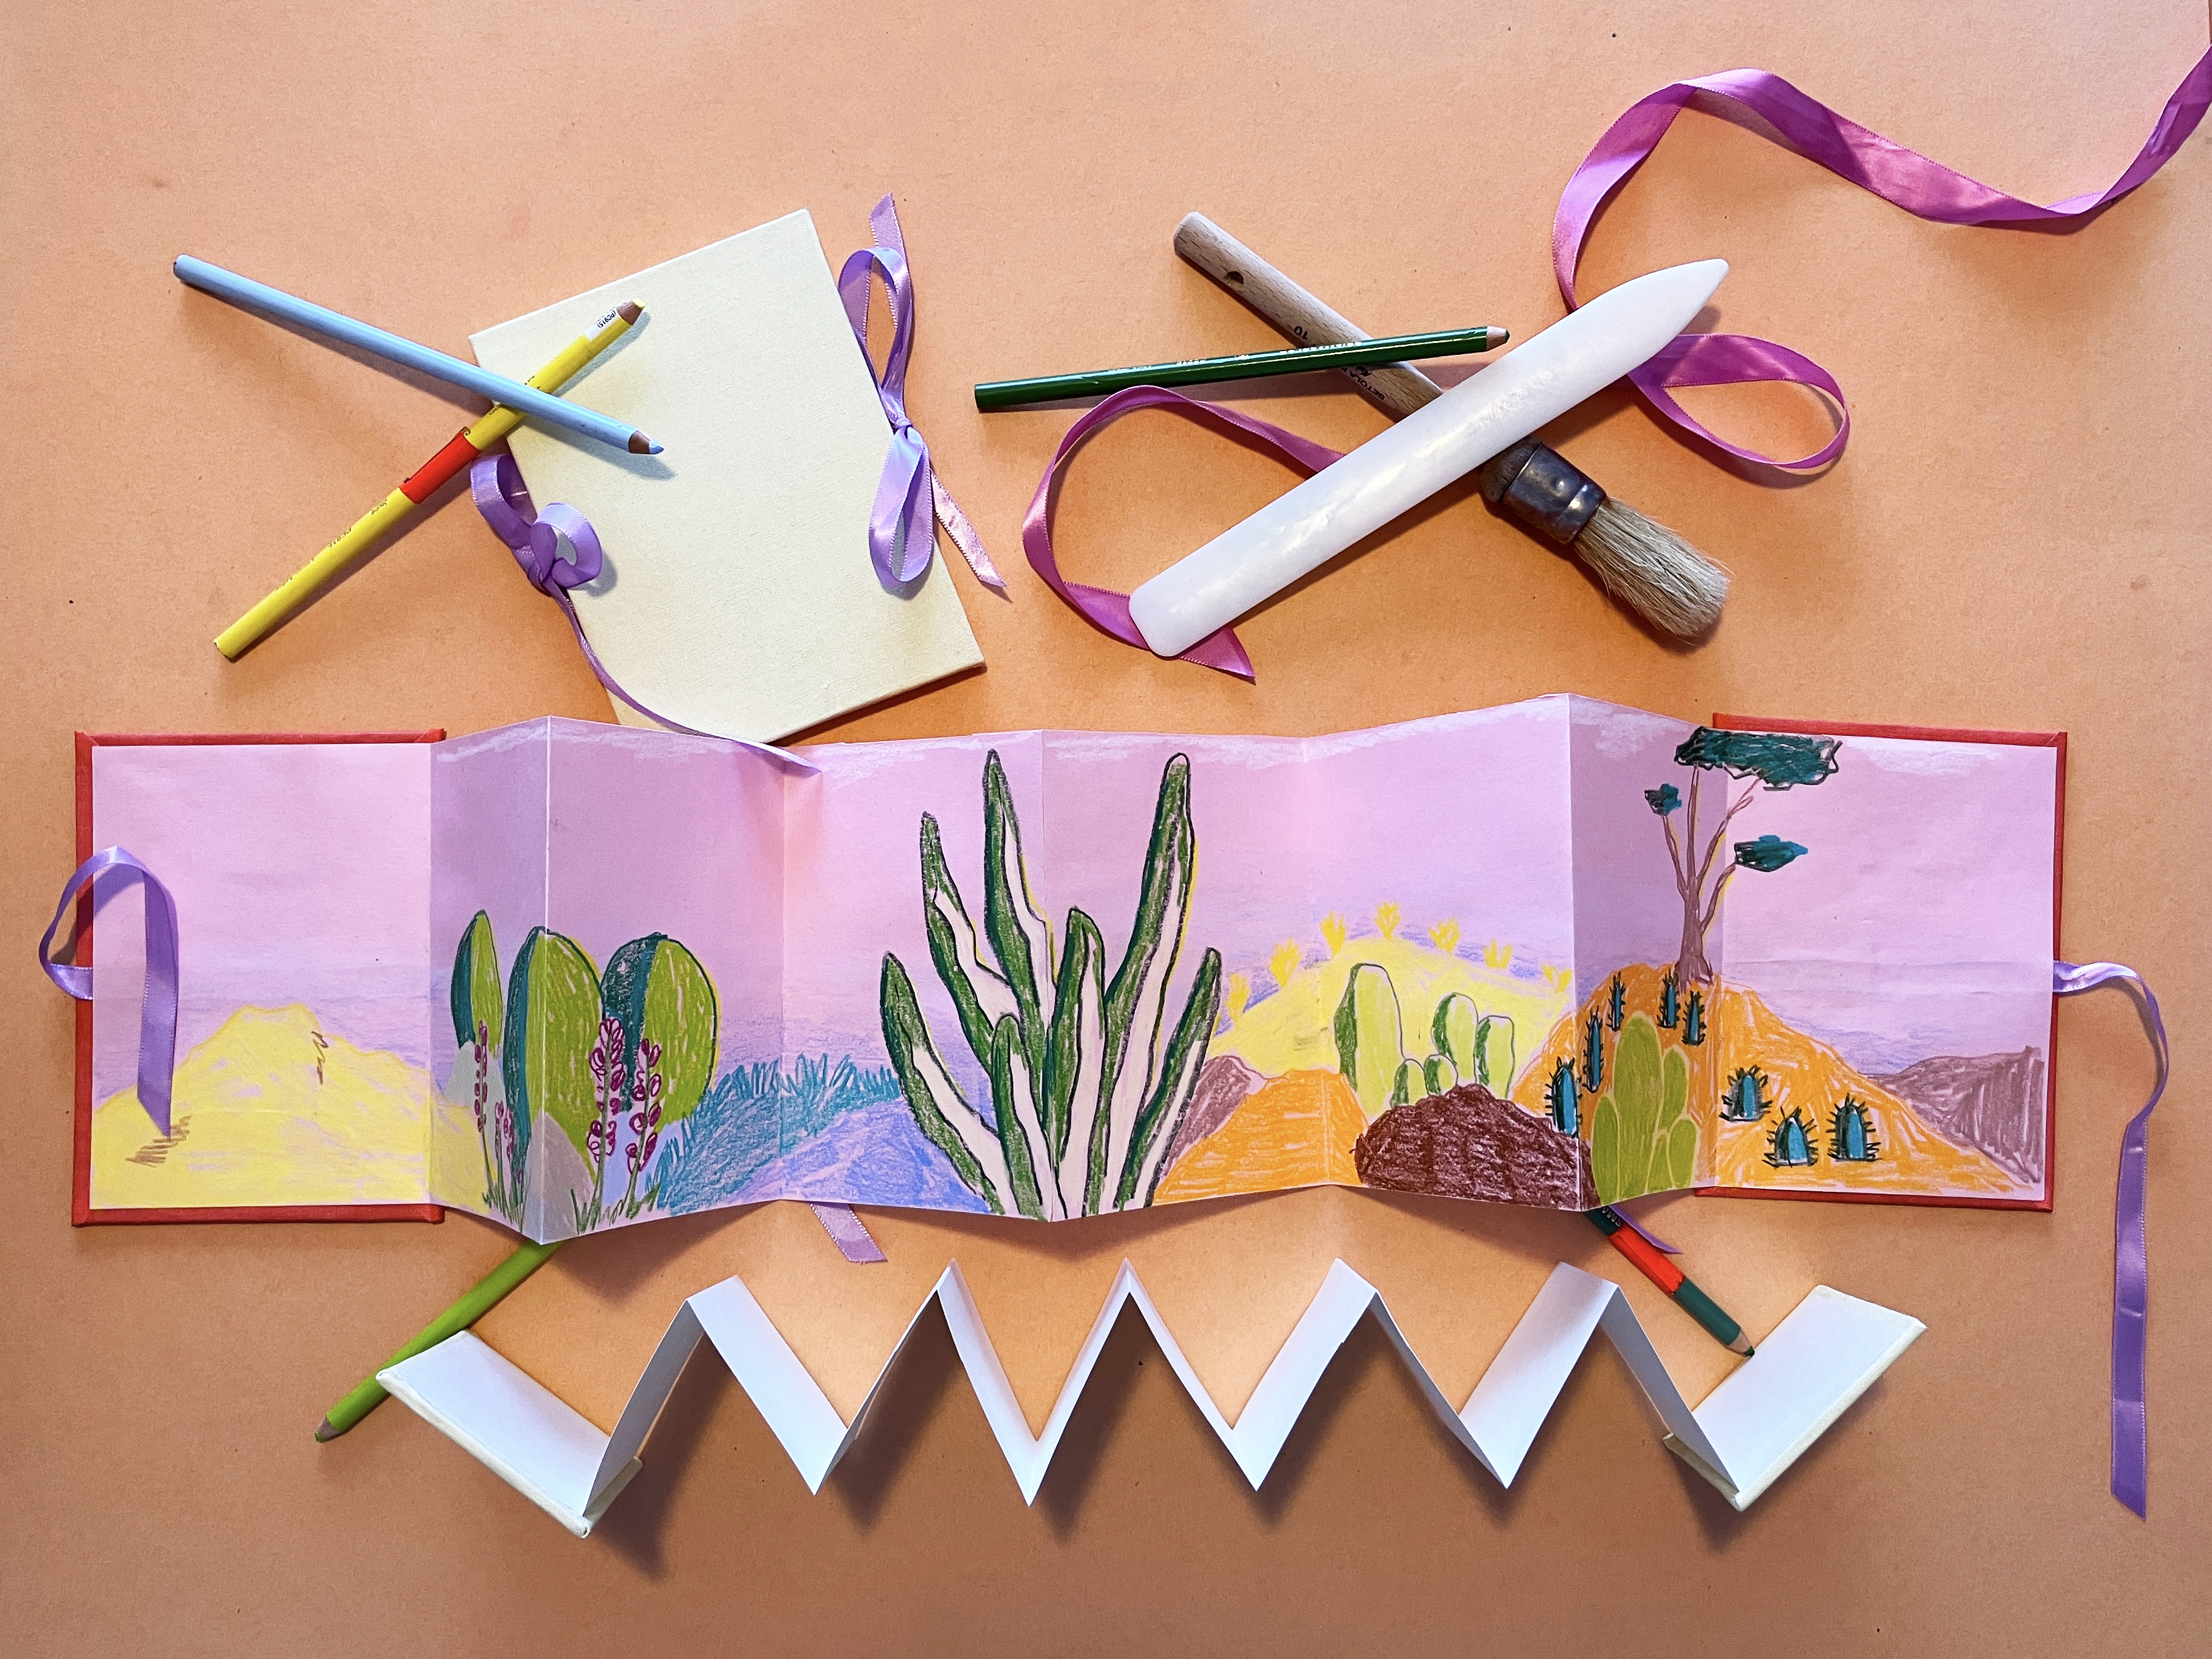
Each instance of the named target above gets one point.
<point>575,976</point>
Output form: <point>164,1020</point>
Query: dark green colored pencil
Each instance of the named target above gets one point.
<point>1250,365</point>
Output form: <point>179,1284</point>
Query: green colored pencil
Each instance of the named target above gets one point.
<point>486,1294</point>
<point>1251,365</point>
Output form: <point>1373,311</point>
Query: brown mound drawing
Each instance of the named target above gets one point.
<point>1994,1103</point>
<point>1466,1143</point>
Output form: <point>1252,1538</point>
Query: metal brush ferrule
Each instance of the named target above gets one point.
<point>1542,489</point>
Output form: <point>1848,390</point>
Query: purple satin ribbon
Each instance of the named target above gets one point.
<point>157,1015</point>
<point>2131,1247</point>
<point>910,502</point>
<point>848,1232</point>
<point>1905,177</point>
<point>535,538</point>
<point>1107,610</point>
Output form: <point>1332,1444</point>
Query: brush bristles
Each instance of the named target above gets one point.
<point>1653,571</point>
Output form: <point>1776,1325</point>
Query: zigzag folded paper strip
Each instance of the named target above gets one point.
<point>1747,1431</point>
<point>573,976</point>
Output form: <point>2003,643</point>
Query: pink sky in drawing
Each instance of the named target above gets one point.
<point>1918,924</point>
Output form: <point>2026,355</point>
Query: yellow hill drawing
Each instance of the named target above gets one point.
<point>1294,1132</point>
<point>1753,1063</point>
<point>269,1110</point>
<point>1294,1029</point>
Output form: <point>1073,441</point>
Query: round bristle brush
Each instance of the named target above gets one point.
<point>1644,565</point>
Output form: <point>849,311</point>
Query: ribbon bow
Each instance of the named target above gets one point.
<point>558,550</point>
<point>902,536</point>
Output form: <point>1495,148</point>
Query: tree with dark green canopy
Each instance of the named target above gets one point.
<point>1772,760</point>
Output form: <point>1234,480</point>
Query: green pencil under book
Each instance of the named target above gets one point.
<point>486,1294</point>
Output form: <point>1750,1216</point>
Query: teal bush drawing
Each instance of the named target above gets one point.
<point>1616,1002</point>
<point>1564,1099</point>
<point>1746,1098</point>
<point>1851,1133</point>
<point>755,1114</point>
<point>1593,1054</point>
<point>1693,1019</point>
<point>1670,1003</point>
<point>1643,1138</point>
<point>1790,1146</point>
<point>1088,1079</point>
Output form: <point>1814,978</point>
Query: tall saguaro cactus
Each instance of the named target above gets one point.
<point>1085,1095</point>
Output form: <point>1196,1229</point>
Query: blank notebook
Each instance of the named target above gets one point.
<point>739,597</point>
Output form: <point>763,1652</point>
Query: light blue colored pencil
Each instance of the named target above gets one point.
<point>523,399</point>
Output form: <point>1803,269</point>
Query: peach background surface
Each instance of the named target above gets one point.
<point>2013,539</point>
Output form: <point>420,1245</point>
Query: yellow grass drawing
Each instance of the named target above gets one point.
<point>1498,954</point>
<point>1445,936</point>
<point>1290,956</point>
<point>1557,978</point>
<point>1333,932</point>
<point>1386,918</point>
<point>1237,993</point>
<point>272,1109</point>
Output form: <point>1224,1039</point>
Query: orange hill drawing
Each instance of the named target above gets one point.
<point>1713,1082</point>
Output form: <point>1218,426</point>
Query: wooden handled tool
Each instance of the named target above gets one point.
<point>1642,563</point>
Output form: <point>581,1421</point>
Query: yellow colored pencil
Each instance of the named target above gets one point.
<point>414,490</point>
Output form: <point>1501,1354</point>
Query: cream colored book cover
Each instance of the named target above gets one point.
<point>737,595</point>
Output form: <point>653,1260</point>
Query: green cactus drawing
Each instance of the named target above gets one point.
<point>1370,1044</point>
<point>664,1006</point>
<point>1642,1137</point>
<point>552,1019</point>
<point>1455,1029</point>
<point>1494,1054</point>
<point>1438,1075</point>
<point>1087,1082</point>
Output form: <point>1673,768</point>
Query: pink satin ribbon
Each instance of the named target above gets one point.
<point>1897,174</point>
<point>2130,1246</point>
<point>1105,608</point>
<point>909,501</point>
<point>848,1233</point>
<point>1902,177</point>
<point>157,1014</point>
<point>537,541</point>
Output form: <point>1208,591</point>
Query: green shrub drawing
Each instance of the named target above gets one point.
<point>479,1028</point>
<point>1371,1044</point>
<point>1642,1137</point>
<point>552,1020</point>
<point>1087,1080</point>
<point>1478,1046</point>
<point>652,1060</point>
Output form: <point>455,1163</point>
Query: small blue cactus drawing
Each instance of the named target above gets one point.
<point>1593,1054</point>
<point>1748,1097</point>
<point>1564,1099</point>
<point>1693,1020</point>
<point>1670,1003</point>
<point>1616,1004</point>
<point>1851,1133</point>
<point>1790,1146</point>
